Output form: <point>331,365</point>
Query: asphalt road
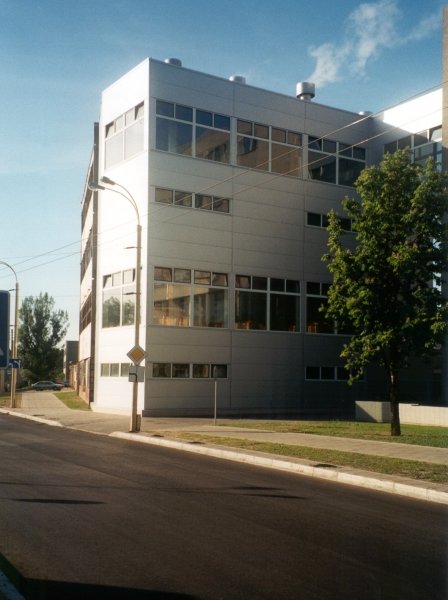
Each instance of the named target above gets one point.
<point>88,516</point>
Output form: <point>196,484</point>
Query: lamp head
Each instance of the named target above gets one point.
<point>105,179</point>
<point>95,186</point>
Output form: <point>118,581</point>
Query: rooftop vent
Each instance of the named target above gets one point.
<point>238,79</point>
<point>365,113</point>
<point>173,61</point>
<point>305,90</point>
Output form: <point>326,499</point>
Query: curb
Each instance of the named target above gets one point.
<point>385,483</point>
<point>260,459</point>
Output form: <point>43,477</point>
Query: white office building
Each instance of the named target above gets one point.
<point>232,185</point>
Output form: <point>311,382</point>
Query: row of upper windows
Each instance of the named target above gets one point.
<point>184,130</point>
<point>203,134</point>
<point>192,200</point>
<point>425,144</point>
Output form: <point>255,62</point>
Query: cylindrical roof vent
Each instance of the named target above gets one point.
<point>365,113</point>
<point>305,90</point>
<point>238,79</point>
<point>173,61</point>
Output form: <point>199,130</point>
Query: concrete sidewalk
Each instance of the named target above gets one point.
<point>45,407</point>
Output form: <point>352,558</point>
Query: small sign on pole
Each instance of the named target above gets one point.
<point>136,354</point>
<point>136,374</point>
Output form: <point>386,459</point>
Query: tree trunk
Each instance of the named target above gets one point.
<point>395,427</point>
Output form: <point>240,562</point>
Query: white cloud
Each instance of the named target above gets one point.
<point>370,29</point>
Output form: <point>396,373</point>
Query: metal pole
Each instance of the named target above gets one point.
<point>216,397</point>
<point>134,424</point>
<point>16,336</point>
<point>14,347</point>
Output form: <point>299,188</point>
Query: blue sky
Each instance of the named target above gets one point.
<point>58,55</point>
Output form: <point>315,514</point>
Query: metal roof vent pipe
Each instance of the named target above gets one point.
<point>305,90</point>
<point>173,61</point>
<point>238,79</point>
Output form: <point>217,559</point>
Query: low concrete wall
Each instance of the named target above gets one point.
<point>415,414</point>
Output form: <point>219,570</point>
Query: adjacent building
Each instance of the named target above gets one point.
<point>232,185</point>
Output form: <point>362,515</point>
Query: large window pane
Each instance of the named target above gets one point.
<point>210,307</point>
<point>253,153</point>
<point>114,150</point>
<point>284,312</point>
<point>349,171</point>
<point>133,139</point>
<point>128,305</point>
<point>315,319</point>
<point>174,137</point>
<point>111,308</point>
<point>285,159</point>
<point>250,310</point>
<point>322,167</point>
<point>212,144</point>
<point>171,305</point>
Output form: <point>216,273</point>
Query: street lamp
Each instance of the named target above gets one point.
<point>16,337</point>
<point>95,186</point>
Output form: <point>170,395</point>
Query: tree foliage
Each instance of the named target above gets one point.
<point>41,330</point>
<point>387,289</point>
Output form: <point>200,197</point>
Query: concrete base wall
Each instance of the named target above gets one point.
<point>379,412</point>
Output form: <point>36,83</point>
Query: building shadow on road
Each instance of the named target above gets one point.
<point>39,589</point>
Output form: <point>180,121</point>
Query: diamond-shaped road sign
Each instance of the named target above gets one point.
<point>136,354</point>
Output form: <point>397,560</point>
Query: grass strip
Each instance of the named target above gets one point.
<point>421,435</point>
<point>413,469</point>
<point>72,400</point>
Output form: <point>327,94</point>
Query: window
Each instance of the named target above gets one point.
<point>192,132</point>
<point>316,299</point>
<point>334,162</point>
<point>189,371</point>
<point>324,373</point>
<point>268,148</point>
<point>321,220</point>
<point>191,200</point>
<point>183,298</point>
<point>124,136</point>
<point>114,369</point>
<point>119,298</point>
<point>262,303</point>
<point>424,145</point>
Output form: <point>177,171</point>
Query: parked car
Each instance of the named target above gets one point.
<point>46,385</point>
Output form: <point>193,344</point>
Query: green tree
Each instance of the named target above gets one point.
<point>41,330</point>
<point>387,287</point>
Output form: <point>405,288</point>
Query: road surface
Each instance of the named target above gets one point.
<point>84,515</point>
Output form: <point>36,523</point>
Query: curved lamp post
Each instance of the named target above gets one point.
<point>95,186</point>
<point>16,337</point>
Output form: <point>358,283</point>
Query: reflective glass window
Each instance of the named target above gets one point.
<point>163,274</point>
<point>244,127</point>
<point>203,202</point>
<point>221,205</point>
<point>221,122</point>
<point>171,305</point>
<point>278,135</point>
<point>284,312</point>
<point>349,171</point>
<point>164,196</point>
<point>212,144</point>
<point>204,118</point>
<point>261,131</point>
<point>210,307</point>
<point>285,159</point>
<point>180,371</point>
<point>183,199</point>
<point>173,136</point>
<point>322,168</point>
<point>184,113</point>
<point>253,153</point>
<point>161,369</point>
<point>201,371</point>
<point>250,310</point>
<point>165,108</point>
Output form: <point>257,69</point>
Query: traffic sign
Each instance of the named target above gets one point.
<point>136,354</point>
<point>4,329</point>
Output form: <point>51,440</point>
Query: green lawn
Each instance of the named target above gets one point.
<point>423,435</point>
<point>331,458</point>
<point>72,400</point>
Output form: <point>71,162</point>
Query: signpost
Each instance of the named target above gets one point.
<point>4,329</point>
